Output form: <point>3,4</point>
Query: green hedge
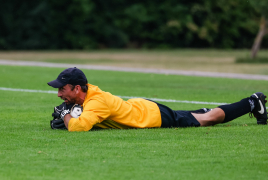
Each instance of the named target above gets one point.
<point>88,24</point>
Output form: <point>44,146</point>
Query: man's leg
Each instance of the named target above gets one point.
<point>226,113</point>
<point>210,118</point>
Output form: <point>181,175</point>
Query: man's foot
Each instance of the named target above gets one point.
<point>259,111</point>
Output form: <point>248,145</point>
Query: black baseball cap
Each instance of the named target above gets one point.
<point>71,76</point>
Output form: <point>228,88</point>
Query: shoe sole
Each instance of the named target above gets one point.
<point>260,97</point>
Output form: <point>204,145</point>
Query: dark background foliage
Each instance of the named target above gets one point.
<point>91,24</point>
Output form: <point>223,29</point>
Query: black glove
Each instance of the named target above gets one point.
<point>58,110</point>
<point>64,113</point>
<point>57,122</point>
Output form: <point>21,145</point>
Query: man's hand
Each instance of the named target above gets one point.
<point>64,113</point>
<point>58,110</point>
<point>58,122</point>
<point>61,111</point>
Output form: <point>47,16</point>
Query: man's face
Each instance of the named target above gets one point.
<point>67,94</point>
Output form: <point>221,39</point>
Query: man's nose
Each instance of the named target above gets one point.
<point>59,93</point>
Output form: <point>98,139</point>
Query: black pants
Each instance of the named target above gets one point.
<point>171,118</point>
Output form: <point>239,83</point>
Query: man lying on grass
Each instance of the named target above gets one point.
<point>99,109</point>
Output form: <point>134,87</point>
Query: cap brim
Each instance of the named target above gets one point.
<point>56,84</point>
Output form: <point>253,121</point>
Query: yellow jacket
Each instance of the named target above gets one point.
<point>104,110</point>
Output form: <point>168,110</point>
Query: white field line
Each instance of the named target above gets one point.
<point>124,97</point>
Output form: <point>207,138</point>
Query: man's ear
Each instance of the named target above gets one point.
<point>77,89</point>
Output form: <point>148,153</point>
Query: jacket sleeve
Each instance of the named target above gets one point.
<point>94,111</point>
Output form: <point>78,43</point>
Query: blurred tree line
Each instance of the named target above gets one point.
<point>87,24</point>
<point>262,7</point>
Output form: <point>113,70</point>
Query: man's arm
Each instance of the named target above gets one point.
<point>67,119</point>
<point>93,112</point>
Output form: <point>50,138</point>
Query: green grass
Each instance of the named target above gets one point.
<point>29,149</point>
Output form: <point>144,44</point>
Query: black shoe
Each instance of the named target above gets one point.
<point>259,111</point>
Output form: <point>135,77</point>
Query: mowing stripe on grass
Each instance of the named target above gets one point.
<point>141,70</point>
<point>124,97</point>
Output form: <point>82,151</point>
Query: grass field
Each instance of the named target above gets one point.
<point>29,149</point>
<point>182,59</point>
